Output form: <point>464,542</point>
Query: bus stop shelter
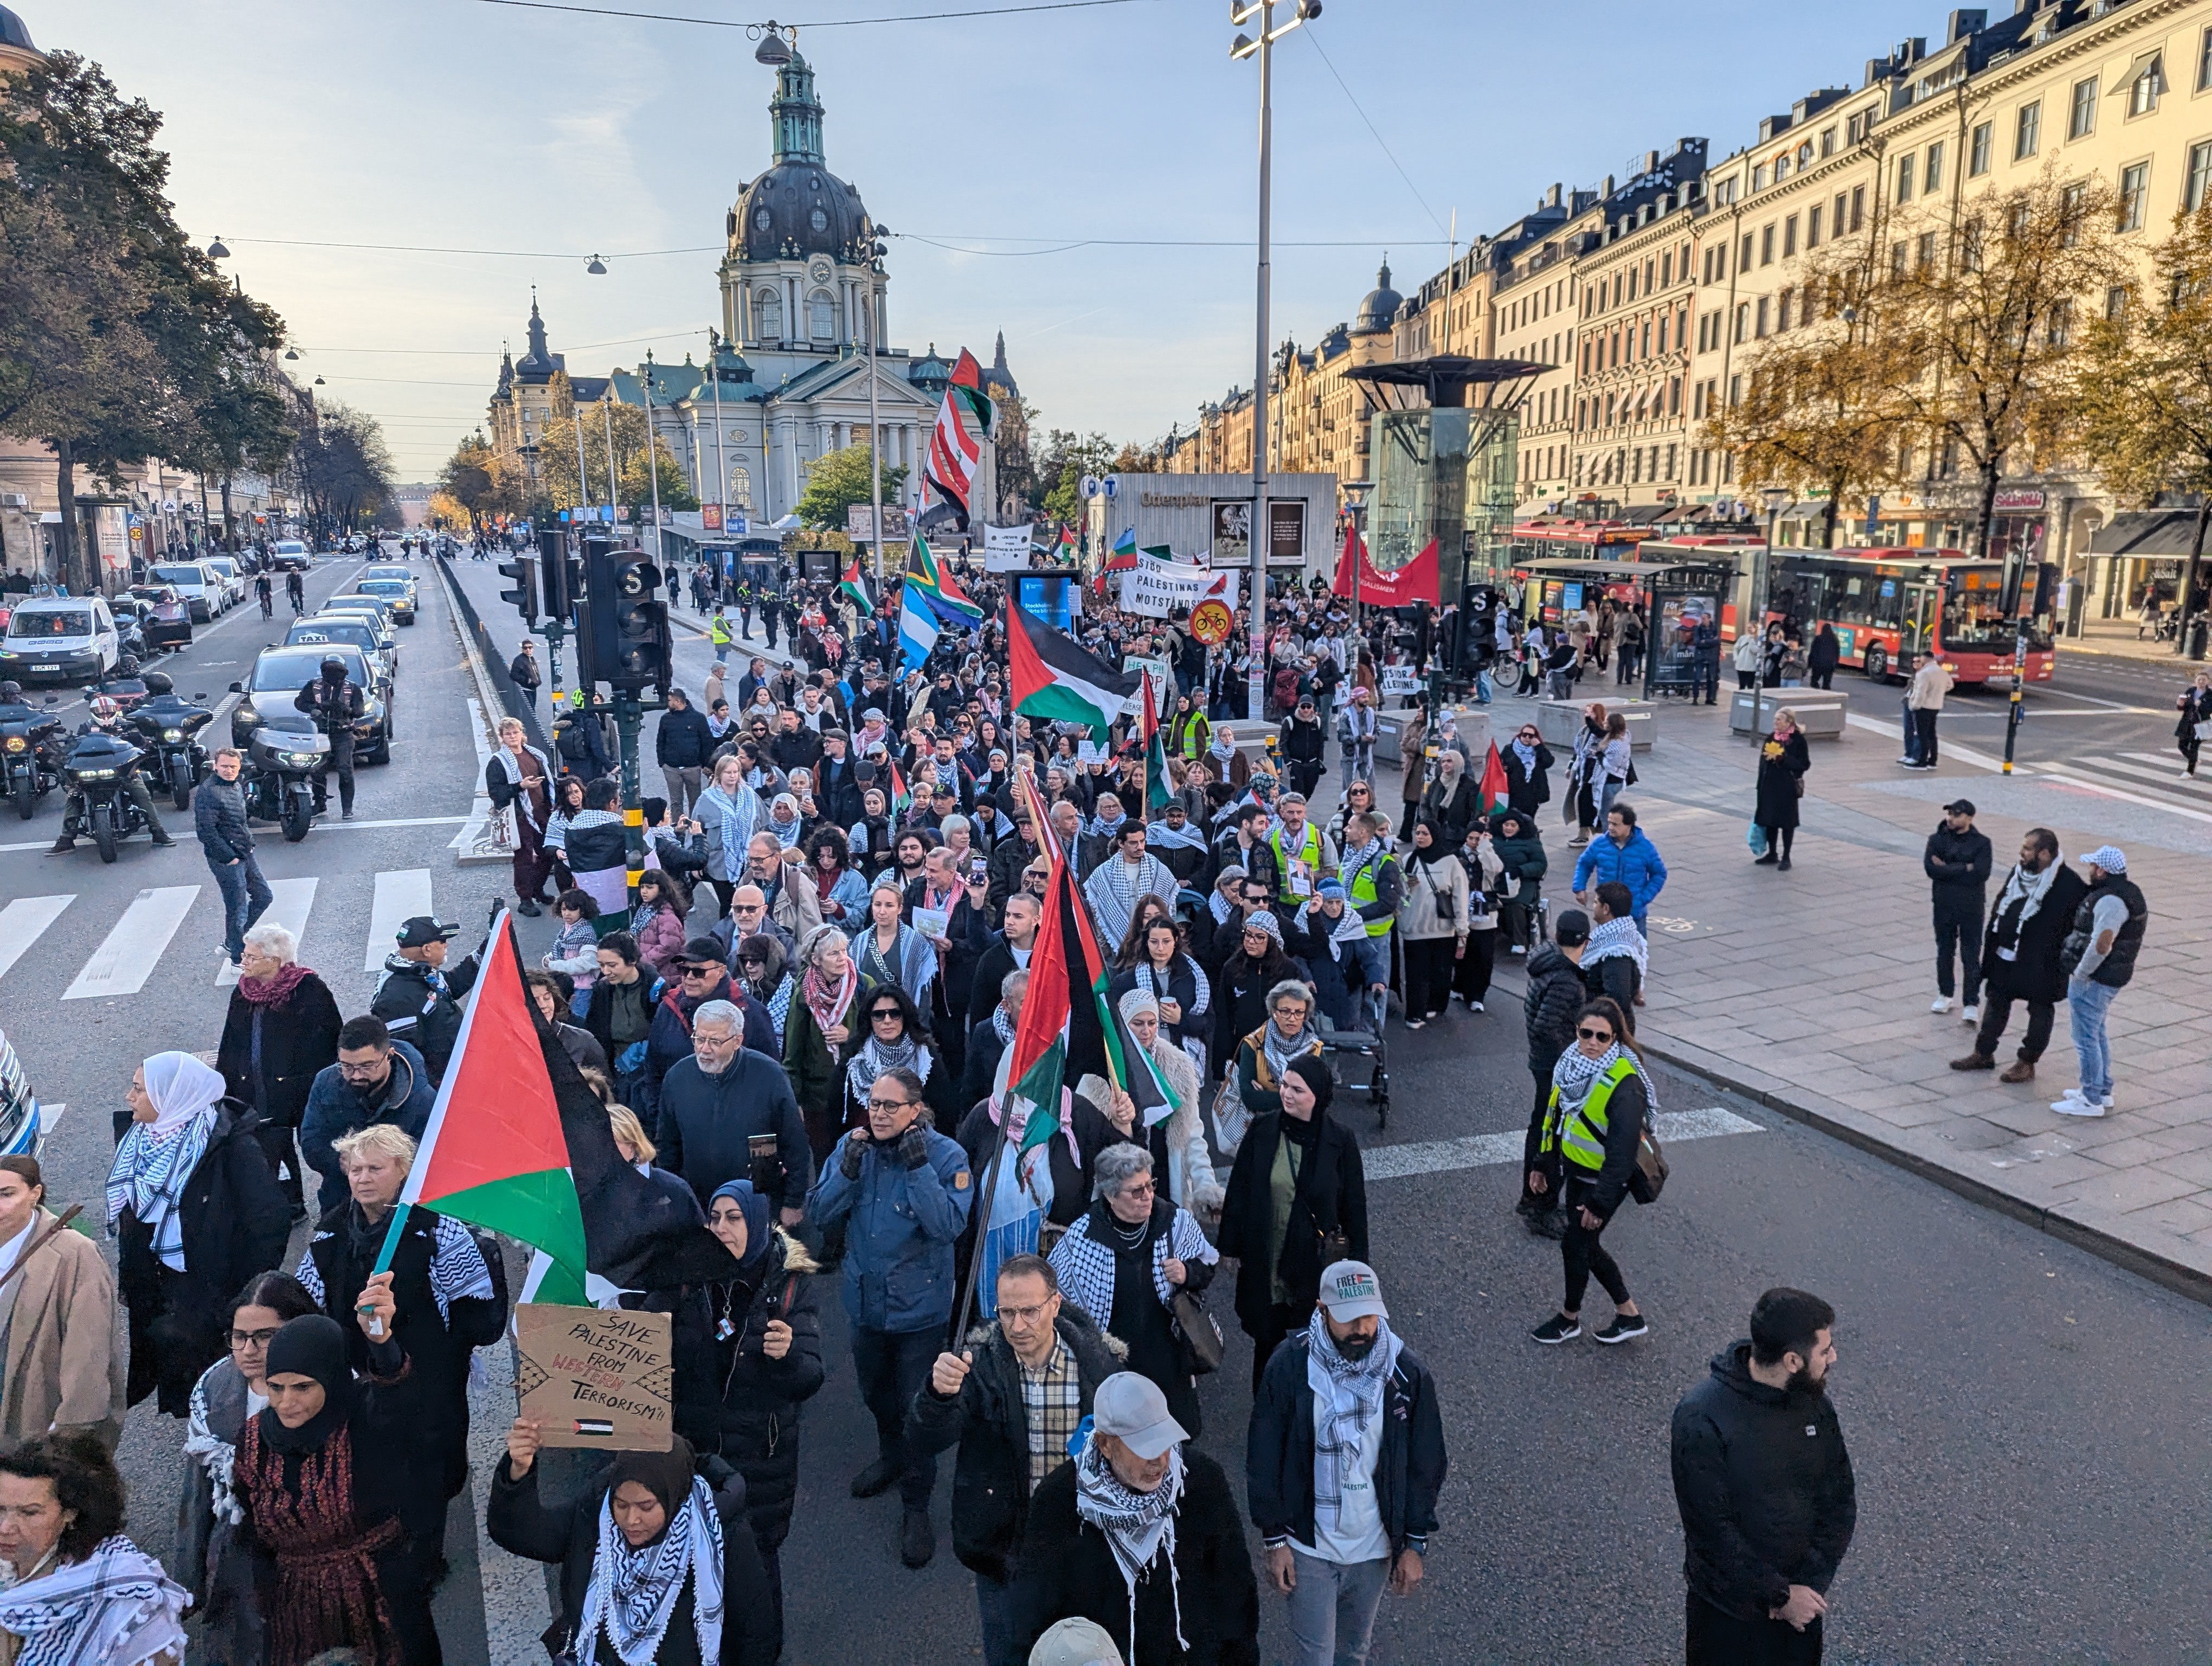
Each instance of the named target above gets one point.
<point>1677,597</point>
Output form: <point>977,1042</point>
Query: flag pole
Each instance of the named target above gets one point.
<point>984,1193</point>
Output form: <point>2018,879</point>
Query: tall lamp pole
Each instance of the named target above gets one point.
<point>1244,11</point>
<point>1761,580</point>
<point>874,250</point>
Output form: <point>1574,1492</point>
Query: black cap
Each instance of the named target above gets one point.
<point>425,928</point>
<point>1960,807</point>
<point>1571,928</point>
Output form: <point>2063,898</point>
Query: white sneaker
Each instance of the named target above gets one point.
<point>1971,1015</point>
<point>2076,1104</point>
<point>1941,1004</point>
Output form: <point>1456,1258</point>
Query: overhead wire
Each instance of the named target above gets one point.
<point>827,23</point>
<point>1313,37</point>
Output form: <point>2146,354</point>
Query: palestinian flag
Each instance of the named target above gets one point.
<point>929,582</point>
<point>1158,788</point>
<point>494,1154</point>
<point>1489,791</point>
<point>900,797</point>
<point>1055,680</point>
<point>849,584</point>
<point>1069,551</point>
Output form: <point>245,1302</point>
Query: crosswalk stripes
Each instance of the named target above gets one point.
<point>290,901</point>
<point>123,963</point>
<point>401,893</point>
<point>1484,1150</point>
<point>23,921</point>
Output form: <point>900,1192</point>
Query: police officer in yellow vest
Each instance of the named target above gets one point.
<point>718,633</point>
<point>1599,1103</point>
<point>1303,852</point>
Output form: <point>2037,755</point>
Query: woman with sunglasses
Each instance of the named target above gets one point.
<point>1528,763</point>
<point>1358,799</point>
<point>211,1559</point>
<point>1587,1156</point>
<point>892,1035</point>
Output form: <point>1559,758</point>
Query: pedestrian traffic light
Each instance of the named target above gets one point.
<point>563,575</point>
<point>626,642</point>
<point>523,569</point>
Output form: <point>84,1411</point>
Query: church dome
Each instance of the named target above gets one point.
<point>795,210</point>
<point>1379,311</point>
<point>13,33</point>
<point>931,374</point>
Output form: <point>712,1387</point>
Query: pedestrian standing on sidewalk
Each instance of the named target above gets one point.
<point>2194,727</point>
<point>1765,1490</point>
<point>219,817</point>
<point>2020,954</point>
<point>1822,658</point>
<point>1582,776</point>
<point>1626,853</point>
<point>1957,862</point>
<point>1588,1152</point>
<point>1343,1462</point>
<point>1783,759</point>
<point>1748,655</point>
<point>518,777</point>
<point>523,671</point>
<point>2100,958</point>
<point>1924,701</point>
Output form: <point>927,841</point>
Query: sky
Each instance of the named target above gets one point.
<point>989,145</point>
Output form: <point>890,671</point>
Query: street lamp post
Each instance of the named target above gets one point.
<point>652,459</point>
<point>1241,12</point>
<point>873,250</point>
<point>1355,503</point>
<point>1775,497</point>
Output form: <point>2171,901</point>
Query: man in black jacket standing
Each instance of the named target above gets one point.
<point>1013,1397</point>
<point>1765,1490</point>
<point>419,996</point>
<point>681,745</point>
<point>1344,1486</point>
<point>1957,863</point>
<point>2021,946</point>
<point>713,1104</point>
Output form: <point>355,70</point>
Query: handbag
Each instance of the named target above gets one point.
<point>1199,1332</point>
<point>1648,1177</point>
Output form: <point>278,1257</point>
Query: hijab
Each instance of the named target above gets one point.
<point>758,1233</point>
<point>314,1345</point>
<point>155,1160</point>
<point>1436,850</point>
<point>181,1087</point>
<point>635,1591</point>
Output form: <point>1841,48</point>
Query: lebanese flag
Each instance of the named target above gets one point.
<point>1416,581</point>
<point>1489,791</point>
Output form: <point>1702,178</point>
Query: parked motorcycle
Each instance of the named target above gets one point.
<point>99,766</point>
<point>280,784</point>
<point>30,753</point>
<point>169,727</point>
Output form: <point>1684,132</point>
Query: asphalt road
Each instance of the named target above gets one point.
<point>2029,1477</point>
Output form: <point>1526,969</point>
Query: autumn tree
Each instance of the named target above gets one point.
<point>838,480</point>
<point>1981,325</point>
<point>466,482</point>
<point>1816,411</point>
<point>2143,393</point>
<point>621,429</point>
<point>345,466</point>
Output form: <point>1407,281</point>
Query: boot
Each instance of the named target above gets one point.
<point>523,905</point>
<point>62,846</point>
<point>1976,1060</point>
<point>2019,1070</point>
<point>877,1477</point>
<point>917,1541</point>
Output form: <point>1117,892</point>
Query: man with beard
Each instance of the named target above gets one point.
<point>2020,954</point>
<point>1765,1490</point>
<point>1343,1464</point>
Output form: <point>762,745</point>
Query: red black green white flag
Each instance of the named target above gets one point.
<point>1489,791</point>
<point>1056,680</point>
<point>850,584</point>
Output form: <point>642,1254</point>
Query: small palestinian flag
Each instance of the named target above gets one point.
<point>1489,791</point>
<point>1055,680</point>
<point>1158,790</point>
<point>849,584</point>
<point>900,797</point>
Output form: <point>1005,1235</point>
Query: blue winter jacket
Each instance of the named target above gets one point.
<point>898,1247</point>
<point>1635,864</point>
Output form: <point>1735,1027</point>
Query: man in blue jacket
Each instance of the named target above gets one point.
<point>905,1191</point>
<point>376,1079</point>
<point>1344,1483</point>
<point>1628,855</point>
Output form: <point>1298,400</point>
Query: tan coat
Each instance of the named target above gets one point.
<point>65,1361</point>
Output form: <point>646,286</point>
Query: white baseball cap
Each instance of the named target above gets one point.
<point>1076,1642</point>
<point>1350,1290</point>
<point>1133,1411</point>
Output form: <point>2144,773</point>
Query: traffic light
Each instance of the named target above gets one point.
<point>523,569</point>
<point>563,573</point>
<point>626,642</point>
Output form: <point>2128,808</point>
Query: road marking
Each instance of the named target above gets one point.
<point>1487,1150</point>
<point>1944,749</point>
<point>401,894</point>
<point>23,921</point>
<point>291,900</point>
<point>2057,772</point>
<point>123,963</point>
<point>2134,772</point>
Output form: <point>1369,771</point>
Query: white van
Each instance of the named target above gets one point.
<point>59,639</point>
<point>200,586</point>
<point>234,582</point>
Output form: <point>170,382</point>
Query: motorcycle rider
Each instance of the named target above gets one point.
<point>107,716</point>
<point>334,700</point>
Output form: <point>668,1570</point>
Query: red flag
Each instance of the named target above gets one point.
<point>1489,791</point>
<point>1416,581</point>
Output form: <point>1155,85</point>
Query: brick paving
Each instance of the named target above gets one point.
<point>1810,990</point>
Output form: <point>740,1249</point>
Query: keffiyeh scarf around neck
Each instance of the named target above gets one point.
<point>2034,887</point>
<point>1137,1526</point>
<point>829,1002</point>
<point>633,1594</point>
<point>148,1179</point>
<point>1618,937</point>
<point>1280,1051</point>
<point>738,813</point>
<point>115,1605</point>
<point>874,1058</point>
<point>1577,1072</point>
<point>1348,1396</point>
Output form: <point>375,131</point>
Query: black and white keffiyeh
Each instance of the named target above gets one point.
<point>1085,1266</point>
<point>1577,1072</point>
<point>1618,937</point>
<point>149,1178</point>
<point>457,1268</point>
<point>874,1058</point>
<point>116,1607</point>
<point>1137,1526</point>
<point>1156,984</point>
<point>1348,1396</point>
<point>632,1593</point>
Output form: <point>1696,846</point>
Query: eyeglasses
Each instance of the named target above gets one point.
<point>888,1104</point>
<point>251,1338</point>
<point>701,971</point>
<point>1589,1034</point>
<point>750,960</point>
<point>1029,1316</point>
<point>1290,1011</point>
<point>1136,1189</point>
<point>361,1072</point>
<point>884,1014</point>
<point>746,908</point>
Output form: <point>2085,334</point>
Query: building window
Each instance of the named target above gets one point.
<point>2027,131</point>
<point>1790,237</point>
<point>2143,90</point>
<point>1782,312</point>
<point>1743,254</point>
<point>822,315</point>
<point>1758,176</point>
<point>1979,142</point>
<point>1926,259</point>
<point>768,315</point>
<point>2134,186</point>
<point>1812,228</point>
<point>1766,244</point>
<point>1855,130</point>
<point>1858,208</point>
<point>1670,462</point>
<point>1970,246</point>
<point>1896,256</point>
<point>1828,142</point>
<point>2200,176</point>
<point>1931,176</point>
<point>1735,391</point>
<point>2204,63</point>
<point>2116,303</point>
<point>1905,170</point>
<point>1759,330</point>
<point>2081,112</point>
<point>2062,323</point>
<point>1742,321</point>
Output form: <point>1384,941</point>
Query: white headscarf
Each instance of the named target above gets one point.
<point>181,1087</point>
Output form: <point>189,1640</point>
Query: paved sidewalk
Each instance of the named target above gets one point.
<point>2120,637</point>
<point>1810,990</point>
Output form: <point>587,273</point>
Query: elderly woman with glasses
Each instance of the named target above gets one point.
<point>1124,1262</point>
<point>282,1030</point>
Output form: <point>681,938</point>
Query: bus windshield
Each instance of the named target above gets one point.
<point>1974,619</point>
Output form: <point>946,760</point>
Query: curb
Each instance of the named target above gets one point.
<point>487,666</point>
<point>2181,1280</point>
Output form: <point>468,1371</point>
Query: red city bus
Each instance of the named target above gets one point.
<point>1547,600</point>
<point>1887,605</point>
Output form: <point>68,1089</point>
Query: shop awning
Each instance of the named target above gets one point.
<point>2150,534</point>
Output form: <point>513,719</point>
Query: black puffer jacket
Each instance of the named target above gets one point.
<point>1764,1487</point>
<point>299,1038</point>
<point>1556,993</point>
<point>1965,865</point>
<point>417,1011</point>
<point>990,1478</point>
<point>740,1402</point>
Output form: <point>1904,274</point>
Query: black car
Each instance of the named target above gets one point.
<point>279,674</point>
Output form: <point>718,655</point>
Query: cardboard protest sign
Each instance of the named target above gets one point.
<point>596,1377</point>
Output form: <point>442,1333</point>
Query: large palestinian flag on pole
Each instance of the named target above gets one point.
<point>1158,789</point>
<point>494,1154</point>
<point>850,585</point>
<point>1056,680</point>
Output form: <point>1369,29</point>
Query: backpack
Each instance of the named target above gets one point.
<point>1648,1177</point>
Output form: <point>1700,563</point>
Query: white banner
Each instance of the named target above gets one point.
<point>1158,587</point>
<point>1006,548</point>
<point>1162,676</point>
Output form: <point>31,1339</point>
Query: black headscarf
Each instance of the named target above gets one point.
<point>1311,1069</point>
<point>1437,848</point>
<point>666,1475</point>
<point>310,1346</point>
